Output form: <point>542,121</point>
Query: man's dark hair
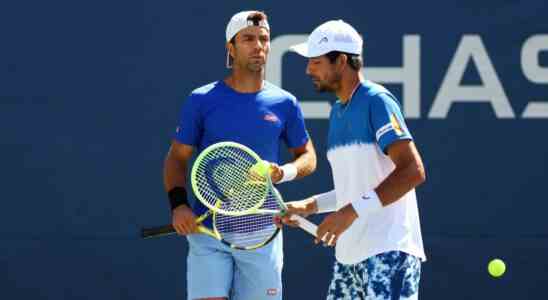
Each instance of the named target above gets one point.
<point>355,61</point>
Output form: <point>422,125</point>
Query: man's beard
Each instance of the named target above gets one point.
<point>252,66</point>
<point>255,67</point>
<point>330,85</point>
<point>322,88</point>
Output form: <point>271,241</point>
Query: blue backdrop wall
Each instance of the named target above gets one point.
<point>90,93</point>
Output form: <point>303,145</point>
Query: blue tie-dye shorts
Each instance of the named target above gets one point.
<point>390,275</point>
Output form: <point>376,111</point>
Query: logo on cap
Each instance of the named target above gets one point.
<point>323,40</point>
<point>344,39</point>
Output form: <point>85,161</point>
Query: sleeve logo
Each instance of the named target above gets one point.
<point>396,124</point>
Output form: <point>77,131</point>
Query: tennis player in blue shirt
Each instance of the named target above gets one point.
<point>246,109</point>
<point>374,219</point>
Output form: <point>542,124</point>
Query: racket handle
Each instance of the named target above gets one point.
<point>153,232</point>
<point>305,224</point>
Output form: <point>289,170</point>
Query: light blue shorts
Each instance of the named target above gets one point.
<point>386,276</point>
<point>216,270</point>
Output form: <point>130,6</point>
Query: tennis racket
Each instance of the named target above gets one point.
<point>245,232</point>
<point>234,184</point>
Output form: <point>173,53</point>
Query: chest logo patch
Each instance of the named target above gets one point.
<point>271,118</point>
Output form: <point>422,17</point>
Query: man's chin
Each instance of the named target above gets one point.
<point>320,88</point>
<point>258,67</point>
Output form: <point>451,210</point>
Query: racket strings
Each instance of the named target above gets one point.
<point>224,176</point>
<point>248,231</point>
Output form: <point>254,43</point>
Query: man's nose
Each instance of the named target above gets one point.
<point>308,69</point>
<point>259,44</point>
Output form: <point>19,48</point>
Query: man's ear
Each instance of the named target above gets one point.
<point>230,49</point>
<point>341,61</point>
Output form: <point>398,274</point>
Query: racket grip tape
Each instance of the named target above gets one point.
<point>153,232</point>
<point>305,224</point>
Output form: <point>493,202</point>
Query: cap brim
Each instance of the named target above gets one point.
<point>301,49</point>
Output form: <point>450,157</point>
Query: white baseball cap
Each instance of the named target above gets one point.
<point>335,35</point>
<point>241,21</point>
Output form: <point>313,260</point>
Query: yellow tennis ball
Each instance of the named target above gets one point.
<point>261,168</point>
<point>496,267</point>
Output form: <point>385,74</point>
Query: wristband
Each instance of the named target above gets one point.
<point>177,197</point>
<point>326,202</point>
<point>367,204</point>
<point>290,172</point>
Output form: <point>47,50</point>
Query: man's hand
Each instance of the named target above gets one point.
<point>335,224</point>
<point>184,220</point>
<point>302,208</point>
<point>276,173</point>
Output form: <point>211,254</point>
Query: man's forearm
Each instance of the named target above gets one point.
<point>305,162</point>
<point>174,181</point>
<point>399,182</point>
<point>174,172</point>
